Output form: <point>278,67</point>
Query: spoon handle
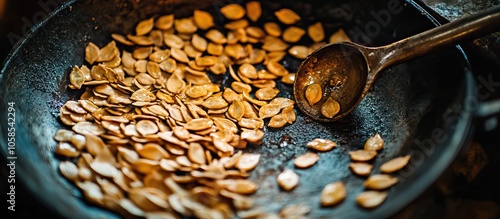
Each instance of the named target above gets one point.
<point>469,27</point>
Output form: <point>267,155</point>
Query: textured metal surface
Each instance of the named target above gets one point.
<point>406,106</point>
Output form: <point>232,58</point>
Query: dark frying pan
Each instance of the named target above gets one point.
<point>420,108</point>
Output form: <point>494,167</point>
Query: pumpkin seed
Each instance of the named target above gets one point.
<point>287,16</point>
<point>395,164</point>
<point>254,10</point>
<point>380,181</point>
<point>316,32</point>
<point>203,19</point>
<point>333,194</point>
<point>313,94</point>
<point>233,11</point>
<point>362,155</point>
<point>330,108</point>
<point>374,143</point>
<point>371,199</point>
<point>144,27</point>
<point>165,22</point>
<point>288,180</point>
<point>361,169</point>
<point>293,34</point>
<point>306,160</point>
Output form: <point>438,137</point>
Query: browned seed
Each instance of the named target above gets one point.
<point>175,83</point>
<point>248,70</point>
<point>233,11</point>
<point>206,61</point>
<point>287,16</point>
<point>330,108</point>
<point>294,211</point>
<point>84,128</point>
<point>104,169</point>
<point>276,69</point>
<point>252,136</point>
<point>288,79</point>
<point>203,19</point>
<point>266,93</point>
<point>333,194</point>
<point>339,36</point>
<point>215,102</point>
<point>121,39</point>
<point>199,124</point>
<point>316,32</point>
<point>216,36</point>
<point>362,155</point>
<point>380,181</point>
<point>395,164</point>
<point>256,32</point>
<point>108,52</point>
<point>240,87</point>
<point>371,199</point>
<point>273,29</point>
<point>313,94</point>
<point>273,44</point>
<point>68,170</point>
<point>290,114</point>
<point>165,22</point>
<point>159,56</point>
<point>146,127</point>
<point>143,95</point>
<point>199,43</point>
<point>247,162</point>
<point>141,40</point>
<point>236,110</point>
<point>361,169</point>
<point>300,52</point>
<point>63,135</point>
<point>185,25</point>
<point>374,143</point>
<point>168,65</point>
<point>278,121</point>
<point>215,49</point>
<point>196,92</point>
<point>293,34</point>
<point>144,27</point>
<point>288,180</point>
<point>283,102</point>
<point>91,53</point>
<point>153,152</point>
<point>235,51</point>
<point>254,10</point>
<point>306,160</point>
<point>76,77</point>
<point>269,110</point>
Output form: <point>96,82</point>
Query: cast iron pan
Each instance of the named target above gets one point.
<point>408,106</point>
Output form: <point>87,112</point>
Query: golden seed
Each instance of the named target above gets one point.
<point>144,27</point>
<point>316,32</point>
<point>362,155</point>
<point>395,164</point>
<point>276,69</point>
<point>236,110</point>
<point>269,110</point>
<point>374,143</point>
<point>361,169</point>
<point>247,162</point>
<point>330,108</point>
<point>199,43</point>
<point>306,160</point>
<point>278,121</point>
<point>216,36</point>
<point>242,186</point>
<point>146,127</point>
<point>273,29</point>
<point>196,92</point>
<point>380,181</point>
<point>233,11</point>
<point>287,16</point>
<point>199,124</point>
<point>300,52</point>
<point>76,77</point>
<point>333,194</point>
<point>165,22</point>
<point>313,94</point>
<point>179,55</point>
<point>185,25</point>
<point>339,36</point>
<point>370,199</point>
<point>293,34</point>
<point>288,180</point>
<point>254,10</point>
<point>203,19</point>
<point>91,53</point>
<point>272,44</point>
<point>266,93</point>
<point>69,170</point>
<point>240,87</point>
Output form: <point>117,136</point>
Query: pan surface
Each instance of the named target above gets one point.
<point>408,105</point>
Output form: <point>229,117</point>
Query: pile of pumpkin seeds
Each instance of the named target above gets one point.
<point>153,136</point>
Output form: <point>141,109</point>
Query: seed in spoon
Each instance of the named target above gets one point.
<point>330,108</point>
<point>380,181</point>
<point>395,164</point>
<point>333,194</point>
<point>313,94</point>
<point>371,199</point>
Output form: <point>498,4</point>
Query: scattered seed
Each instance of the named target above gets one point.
<point>333,194</point>
<point>322,145</point>
<point>306,160</point>
<point>233,11</point>
<point>374,143</point>
<point>287,16</point>
<point>380,181</point>
<point>361,169</point>
<point>254,10</point>
<point>395,164</point>
<point>371,199</point>
<point>362,155</point>
<point>316,32</point>
<point>203,19</point>
<point>293,34</point>
<point>288,180</point>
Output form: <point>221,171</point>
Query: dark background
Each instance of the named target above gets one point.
<point>469,189</point>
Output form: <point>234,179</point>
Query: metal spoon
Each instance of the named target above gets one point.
<point>346,71</point>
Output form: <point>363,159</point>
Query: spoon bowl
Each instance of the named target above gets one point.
<point>345,71</point>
